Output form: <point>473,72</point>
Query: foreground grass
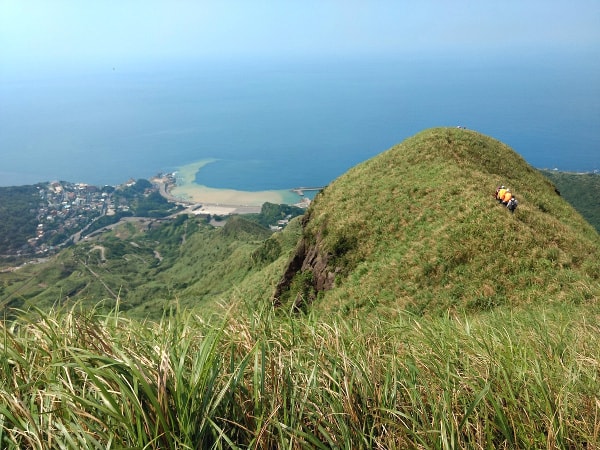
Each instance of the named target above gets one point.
<point>526,379</point>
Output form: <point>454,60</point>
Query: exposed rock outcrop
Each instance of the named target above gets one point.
<point>310,259</point>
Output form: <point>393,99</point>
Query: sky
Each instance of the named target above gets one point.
<point>54,33</point>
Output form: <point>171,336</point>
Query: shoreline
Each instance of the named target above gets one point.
<point>196,193</point>
<point>205,200</point>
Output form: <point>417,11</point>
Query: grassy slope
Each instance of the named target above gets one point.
<point>266,379</point>
<point>419,229</point>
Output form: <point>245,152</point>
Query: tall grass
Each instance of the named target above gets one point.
<point>417,228</point>
<point>526,379</point>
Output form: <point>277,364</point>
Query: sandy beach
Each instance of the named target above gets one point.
<point>196,193</point>
<point>187,189</point>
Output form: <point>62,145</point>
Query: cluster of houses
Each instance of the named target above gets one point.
<point>280,224</point>
<point>64,209</point>
<point>67,208</point>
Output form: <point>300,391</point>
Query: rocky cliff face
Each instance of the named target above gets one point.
<point>309,267</point>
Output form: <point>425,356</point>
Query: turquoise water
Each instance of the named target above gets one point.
<point>274,125</point>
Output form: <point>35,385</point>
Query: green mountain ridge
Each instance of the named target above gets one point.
<point>417,227</point>
<point>405,309</point>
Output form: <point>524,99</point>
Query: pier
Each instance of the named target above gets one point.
<point>300,190</point>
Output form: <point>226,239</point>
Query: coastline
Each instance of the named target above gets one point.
<point>189,191</point>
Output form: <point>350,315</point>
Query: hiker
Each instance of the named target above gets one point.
<point>500,194</point>
<point>507,196</point>
<point>512,205</point>
<point>496,193</point>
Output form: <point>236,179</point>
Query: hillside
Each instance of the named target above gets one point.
<point>18,207</point>
<point>414,228</point>
<point>582,190</point>
<point>434,319</point>
<point>149,265</point>
<point>417,228</point>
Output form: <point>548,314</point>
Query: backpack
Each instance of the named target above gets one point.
<point>512,204</point>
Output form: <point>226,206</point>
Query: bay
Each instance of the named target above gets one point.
<point>271,125</point>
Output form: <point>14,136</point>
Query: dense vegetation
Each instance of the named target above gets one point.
<point>271,213</point>
<point>450,323</point>
<point>18,216</point>
<point>146,263</point>
<point>143,200</point>
<point>143,265</point>
<point>504,379</point>
<point>582,190</point>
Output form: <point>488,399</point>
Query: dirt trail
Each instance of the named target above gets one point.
<point>102,251</point>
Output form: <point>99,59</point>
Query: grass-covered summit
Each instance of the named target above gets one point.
<point>417,228</point>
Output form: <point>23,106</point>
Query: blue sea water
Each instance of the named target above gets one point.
<point>276,125</point>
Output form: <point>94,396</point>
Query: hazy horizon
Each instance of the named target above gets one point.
<point>89,88</point>
<point>46,34</point>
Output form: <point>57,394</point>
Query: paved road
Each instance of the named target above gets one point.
<point>162,188</point>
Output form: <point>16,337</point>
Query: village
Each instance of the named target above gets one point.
<point>68,208</point>
<point>66,212</point>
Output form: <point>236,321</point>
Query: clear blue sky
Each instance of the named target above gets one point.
<point>54,32</point>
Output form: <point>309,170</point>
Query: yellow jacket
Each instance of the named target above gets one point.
<point>501,193</point>
<point>507,196</point>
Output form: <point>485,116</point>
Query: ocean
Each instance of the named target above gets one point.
<point>271,125</point>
